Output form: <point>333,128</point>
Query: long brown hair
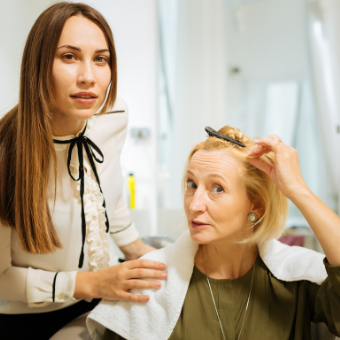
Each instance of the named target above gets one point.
<point>26,144</point>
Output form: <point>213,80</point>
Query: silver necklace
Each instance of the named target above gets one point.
<point>213,299</point>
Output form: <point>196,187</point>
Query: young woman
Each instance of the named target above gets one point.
<point>59,198</point>
<point>228,278</point>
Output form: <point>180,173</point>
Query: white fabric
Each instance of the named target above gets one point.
<point>293,263</point>
<point>156,319</point>
<point>39,283</point>
<point>26,280</point>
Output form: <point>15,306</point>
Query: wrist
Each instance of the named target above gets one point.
<point>85,285</point>
<point>300,193</point>
<point>133,250</point>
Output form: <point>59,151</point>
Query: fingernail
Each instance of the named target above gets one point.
<point>253,150</point>
<point>162,266</point>
<point>164,276</point>
<point>158,285</point>
<point>147,298</point>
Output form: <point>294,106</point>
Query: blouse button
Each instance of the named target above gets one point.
<point>94,218</point>
<point>66,297</point>
<point>61,296</point>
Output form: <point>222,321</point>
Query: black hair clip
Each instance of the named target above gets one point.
<point>213,133</point>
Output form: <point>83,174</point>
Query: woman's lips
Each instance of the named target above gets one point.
<point>198,226</point>
<point>84,98</point>
<point>84,101</point>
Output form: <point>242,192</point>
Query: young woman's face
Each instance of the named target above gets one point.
<point>81,71</point>
<point>215,201</point>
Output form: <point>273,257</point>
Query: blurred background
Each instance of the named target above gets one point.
<point>264,66</point>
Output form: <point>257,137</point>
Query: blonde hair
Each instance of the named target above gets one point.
<point>259,187</point>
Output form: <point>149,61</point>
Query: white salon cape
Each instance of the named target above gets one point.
<point>26,279</point>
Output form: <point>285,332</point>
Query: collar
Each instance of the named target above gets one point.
<point>62,147</point>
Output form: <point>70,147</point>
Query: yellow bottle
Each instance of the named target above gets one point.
<point>131,186</point>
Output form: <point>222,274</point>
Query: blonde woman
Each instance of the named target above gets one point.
<point>228,278</point>
<point>60,199</point>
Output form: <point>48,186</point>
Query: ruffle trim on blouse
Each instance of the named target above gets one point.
<point>96,235</point>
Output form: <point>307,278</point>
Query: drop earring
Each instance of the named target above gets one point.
<point>252,217</point>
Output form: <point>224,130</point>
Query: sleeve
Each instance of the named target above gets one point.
<point>122,229</point>
<point>327,299</point>
<point>34,286</point>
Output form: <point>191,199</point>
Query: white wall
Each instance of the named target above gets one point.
<point>16,19</point>
<point>267,42</point>
<point>135,29</point>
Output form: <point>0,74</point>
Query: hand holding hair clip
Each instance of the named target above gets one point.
<point>213,133</point>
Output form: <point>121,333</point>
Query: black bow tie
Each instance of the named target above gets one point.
<point>89,146</point>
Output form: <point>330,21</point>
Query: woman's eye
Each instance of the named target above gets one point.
<point>101,59</point>
<point>191,185</point>
<point>68,56</point>
<point>217,189</point>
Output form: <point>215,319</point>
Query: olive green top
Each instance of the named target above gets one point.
<point>277,309</point>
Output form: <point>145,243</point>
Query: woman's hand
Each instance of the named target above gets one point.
<point>136,249</point>
<point>287,176</point>
<point>114,283</point>
<point>286,171</point>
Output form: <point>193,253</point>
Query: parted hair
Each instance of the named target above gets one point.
<point>26,144</point>
<point>260,189</point>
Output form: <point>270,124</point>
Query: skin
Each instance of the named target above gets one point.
<point>287,177</point>
<point>81,64</point>
<point>216,197</point>
<point>221,203</point>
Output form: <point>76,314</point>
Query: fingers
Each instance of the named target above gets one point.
<point>146,274</point>
<point>133,297</point>
<point>144,263</point>
<point>143,284</point>
<point>266,145</point>
<point>262,165</point>
<point>259,150</point>
<point>273,141</point>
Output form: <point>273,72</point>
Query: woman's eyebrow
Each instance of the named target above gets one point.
<point>213,174</point>
<point>78,49</point>
<point>216,175</point>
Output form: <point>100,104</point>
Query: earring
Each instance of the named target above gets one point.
<point>252,217</point>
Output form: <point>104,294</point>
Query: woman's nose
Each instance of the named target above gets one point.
<point>198,203</point>
<point>86,73</point>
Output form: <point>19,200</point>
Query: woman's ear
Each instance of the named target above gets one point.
<point>258,209</point>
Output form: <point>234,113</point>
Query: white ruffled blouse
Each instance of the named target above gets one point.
<point>26,280</point>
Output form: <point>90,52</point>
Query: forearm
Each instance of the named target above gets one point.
<point>135,249</point>
<point>323,221</point>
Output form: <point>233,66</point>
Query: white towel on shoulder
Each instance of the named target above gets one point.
<point>156,319</point>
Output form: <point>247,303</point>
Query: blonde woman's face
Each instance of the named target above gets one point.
<point>215,200</point>
<point>81,72</point>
